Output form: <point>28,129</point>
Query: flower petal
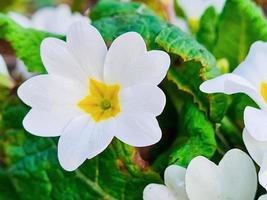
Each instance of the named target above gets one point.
<point>48,92</point>
<point>174,178</point>
<point>148,68</point>
<point>200,173</point>
<point>20,19</point>
<point>158,192</point>
<point>234,178</point>
<point>143,98</point>
<point>86,43</point>
<point>255,122</point>
<point>263,172</point>
<point>56,19</point>
<point>237,176</point>
<point>253,68</point>
<point>48,123</point>
<point>82,139</point>
<point>137,130</point>
<point>255,148</point>
<point>58,60</point>
<point>231,84</point>
<point>124,50</point>
<point>263,197</point>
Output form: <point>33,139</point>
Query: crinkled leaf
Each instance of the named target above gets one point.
<point>201,136</point>
<point>32,166</point>
<point>148,26</point>
<point>110,8</point>
<point>199,65</point>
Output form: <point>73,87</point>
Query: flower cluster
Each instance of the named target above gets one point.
<point>250,77</point>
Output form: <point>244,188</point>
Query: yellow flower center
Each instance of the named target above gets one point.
<point>102,101</point>
<point>264,91</point>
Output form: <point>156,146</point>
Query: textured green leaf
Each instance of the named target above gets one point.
<point>25,42</point>
<point>241,23</point>
<point>199,65</point>
<point>148,26</point>
<point>32,166</point>
<point>201,134</point>
<point>110,8</point>
<point>207,34</point>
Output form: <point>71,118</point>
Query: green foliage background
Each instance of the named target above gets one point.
<point>193,123</point>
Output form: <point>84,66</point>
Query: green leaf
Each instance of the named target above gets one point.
<point>175,41</point>
<point>199,64</point>
<point>30,163</point>
<point>201,134</point>
<point>207,34</point>
<point>146,25</point>
<point>25,42</point>
<point>110,8</point>
<point>241,23</point>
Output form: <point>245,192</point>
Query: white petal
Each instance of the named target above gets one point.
<point>255,122</point>
<point>174,178</point>
<point>124,50</point>
<point>202,179</point>
<point>48,92</point>
<point>158,192</point>
<point>231,84</point>
<point>263,172</point>
<point>235,178</point>
<point>58,60</point>
<point>82,139</point>
<point>20,19</point>
<point>137,130</point>
<point>263,197</point>
<point>86,43</point>
<point>238,176</point>
<point>5,78</point>
<point>46,123</point>
<point>149,68</point>
<point>56,20</point>
<point>255,148</point>
<point>194,9</point>
<point>253,68</point>
<point>143,98</point>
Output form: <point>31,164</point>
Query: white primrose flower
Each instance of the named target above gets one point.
<point>92,94</point>
<point>250,77</point>
<point>234,178</point>
<point>5,78</point>
<point>193,9</point>
<point>174,188</point>
<point>51,19</point>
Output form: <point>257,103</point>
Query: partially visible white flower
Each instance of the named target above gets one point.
<point>51,19</point>
<point>92,94</point>
<point>194,9</point>
<point>234,178</point>
<point>5,78</point>
<point>263,197</point>
<point>174,188</point>
<point>250,77</point>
